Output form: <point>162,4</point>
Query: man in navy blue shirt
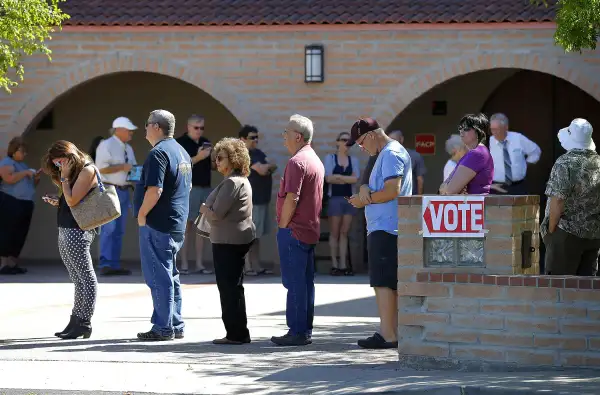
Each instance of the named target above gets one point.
<point>161,205</point>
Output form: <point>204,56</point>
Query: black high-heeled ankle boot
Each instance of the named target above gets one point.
<point>80,328</point>
<point>68,328</point>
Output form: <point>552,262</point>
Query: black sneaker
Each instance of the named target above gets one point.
<point>376,342</point>
<point>8,270</point>
<point>152,336</point>
<point>107,271</point>
<point>290,340</point>
<point>179,335</point>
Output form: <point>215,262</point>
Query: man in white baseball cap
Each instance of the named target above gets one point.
<point>571,227</point>
<point>114,159</point>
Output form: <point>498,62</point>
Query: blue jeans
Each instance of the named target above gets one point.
<point>158,253</point>
<point>111,235</point>
<point>298,277</point>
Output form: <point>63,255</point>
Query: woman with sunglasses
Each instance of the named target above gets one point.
<point>73,173</point>
<point>474,172</point>
<point>341,174</point>
<point>228,210</point>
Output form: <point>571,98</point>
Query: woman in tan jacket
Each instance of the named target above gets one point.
<point>228,209</point>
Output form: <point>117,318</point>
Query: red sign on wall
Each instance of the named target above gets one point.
<point>425,144</point>
<point>453,216</point>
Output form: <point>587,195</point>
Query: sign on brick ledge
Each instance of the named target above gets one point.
<point>453,216</point>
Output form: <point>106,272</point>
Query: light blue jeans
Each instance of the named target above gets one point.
<point>158,252</point>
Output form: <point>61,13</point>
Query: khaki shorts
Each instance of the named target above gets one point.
<point>261,219</point>
<point>198,196</point>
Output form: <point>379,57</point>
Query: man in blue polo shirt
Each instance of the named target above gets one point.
<point>161,206</point>
<point>391,177</point>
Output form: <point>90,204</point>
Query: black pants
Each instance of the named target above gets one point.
<point>569,255</point>
<point>229,271</point>
<point>520,188</point>
<point>16,218</point>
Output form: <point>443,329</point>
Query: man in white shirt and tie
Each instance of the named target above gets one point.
<point>114,159</point>
<point>511,152</point>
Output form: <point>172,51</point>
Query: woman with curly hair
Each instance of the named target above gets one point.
<point>228,209</point>
<point>73,173</point>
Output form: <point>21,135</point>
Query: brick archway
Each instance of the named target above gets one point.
<point>570,70</point>
<point>86,71</point>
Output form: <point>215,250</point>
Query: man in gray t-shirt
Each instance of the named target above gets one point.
<point>417,163</point>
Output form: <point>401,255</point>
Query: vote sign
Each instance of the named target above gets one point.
<point>453,216</point>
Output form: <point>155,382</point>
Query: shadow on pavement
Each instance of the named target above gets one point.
<point>314,380</point>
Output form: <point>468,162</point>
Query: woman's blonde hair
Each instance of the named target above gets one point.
<point>237,153</point>
<point>68,150</point>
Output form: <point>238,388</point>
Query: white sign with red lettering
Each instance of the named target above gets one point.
<point>453,216</point>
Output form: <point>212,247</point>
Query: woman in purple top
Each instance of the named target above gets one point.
<point>475,171</point>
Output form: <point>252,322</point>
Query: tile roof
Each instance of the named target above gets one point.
<point>298,12</point>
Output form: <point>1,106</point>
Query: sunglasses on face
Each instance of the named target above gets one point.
<point>220,158</point>
<point>252,138</point>
<point>147,123</point>
<point>345,140</point>
<point>198,127</point>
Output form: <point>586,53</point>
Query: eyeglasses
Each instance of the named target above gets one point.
<point>344,140</point>
<point>364,136</point>
<point>252,137</point>
<point>150,123</point>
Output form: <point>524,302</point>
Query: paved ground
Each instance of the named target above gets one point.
<point>34,362</point>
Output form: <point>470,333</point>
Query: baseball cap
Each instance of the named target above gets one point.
<point>578,135</point>
<point>360,128</point>
<point>123,122</point>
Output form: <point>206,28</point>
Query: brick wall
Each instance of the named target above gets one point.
<point>258,73</point>
<point>487,322</point>
<point>506,217</point>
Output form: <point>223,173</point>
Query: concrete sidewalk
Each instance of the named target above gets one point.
<point>34,362</point>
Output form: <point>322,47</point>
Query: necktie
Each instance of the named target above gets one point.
<point>507,163</point>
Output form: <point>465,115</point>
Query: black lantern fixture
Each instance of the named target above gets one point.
<point>314,64</point>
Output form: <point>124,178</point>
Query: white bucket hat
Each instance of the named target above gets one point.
<point>123,122</point>
<point>578,135</point>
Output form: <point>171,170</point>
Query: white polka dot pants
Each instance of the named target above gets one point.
<point>74,248</point>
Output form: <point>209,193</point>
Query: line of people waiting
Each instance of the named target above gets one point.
<point>162,202</point>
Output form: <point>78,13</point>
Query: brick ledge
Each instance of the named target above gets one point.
<point>573,282</point>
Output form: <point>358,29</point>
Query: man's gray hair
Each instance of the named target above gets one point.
<point>195,118</point>
<point>454,143</point>
<point>503,119</point>
<point>302,125</point>
<point>165,120</point>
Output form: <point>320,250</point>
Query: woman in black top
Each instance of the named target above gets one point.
<point>341,174</point>
<point>75,176</point>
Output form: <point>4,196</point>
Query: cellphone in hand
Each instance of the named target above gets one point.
<point>206,145</point>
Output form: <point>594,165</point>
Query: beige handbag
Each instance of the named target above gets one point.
<point>202,226</point>
<point>100,206</point>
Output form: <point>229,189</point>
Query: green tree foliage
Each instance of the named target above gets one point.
<point>577,23</point>
<point>25,25</point>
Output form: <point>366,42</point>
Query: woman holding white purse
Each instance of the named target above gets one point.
<point>72,171</point>
<point>228,210</point>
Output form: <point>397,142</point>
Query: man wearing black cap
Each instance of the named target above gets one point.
<point>391,177</point>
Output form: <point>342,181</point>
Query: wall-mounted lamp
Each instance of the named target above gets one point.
<point>314,64</point>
